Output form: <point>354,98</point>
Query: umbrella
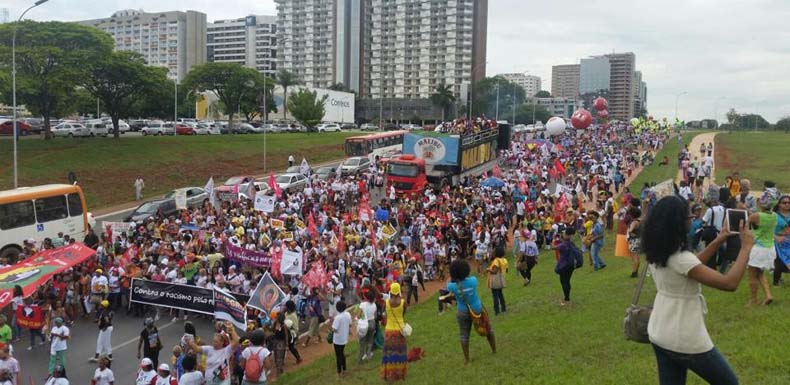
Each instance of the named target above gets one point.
<point>493,182</point>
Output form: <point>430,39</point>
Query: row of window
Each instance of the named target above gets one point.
<point>27,213</point>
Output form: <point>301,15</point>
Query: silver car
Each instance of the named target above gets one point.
<point>355,165</point>
<point>291,182</point>
<point>195,195</point>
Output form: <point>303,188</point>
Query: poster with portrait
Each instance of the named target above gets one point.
<point>267,295</point>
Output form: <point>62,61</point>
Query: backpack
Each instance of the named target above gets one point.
<point>253,366</point>
<point>301,308</point>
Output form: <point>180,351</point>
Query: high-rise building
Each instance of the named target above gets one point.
<point>174,40</point>
<point>394,49</point>
<point>530,83</point>
<point>3,15</point>
<point>250,41</point>
<point>640,94</point>
<point>565,80</point>
<point>594,75</point>
<point>611,76</point>
<point>621,85</point>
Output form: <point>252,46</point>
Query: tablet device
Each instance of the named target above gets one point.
<point>734,219</point>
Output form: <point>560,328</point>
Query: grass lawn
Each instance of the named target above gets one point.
<point>541,343</point>
<point>757,156</point>
<point>659,174</point>
<point>106,168</point>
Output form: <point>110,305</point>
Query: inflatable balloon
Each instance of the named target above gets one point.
<point>635,122</point>
<point>600,103</point>
<point>603,114</point>
<point>555,126</point>
<point>581,119</point>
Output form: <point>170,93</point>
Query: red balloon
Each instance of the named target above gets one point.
<point>600,104</point>
<point>603,114</point>
<point>581,119</point>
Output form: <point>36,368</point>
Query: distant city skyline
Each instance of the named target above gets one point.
<point>706,48</point>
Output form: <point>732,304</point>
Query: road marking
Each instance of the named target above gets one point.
<point>133,340</point>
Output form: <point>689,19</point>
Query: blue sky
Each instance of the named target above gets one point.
<point>725,53</point>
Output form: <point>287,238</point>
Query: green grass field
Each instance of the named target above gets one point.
<point>659,174</point>
<point>541,343</point>
<point>757,156</point>
<point>106,168</point>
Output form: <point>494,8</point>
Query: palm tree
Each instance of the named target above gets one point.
<point>443,97</point>
<point>286,79</point>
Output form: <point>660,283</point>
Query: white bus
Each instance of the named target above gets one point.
<point>41,212</point>
<point>383,145</point>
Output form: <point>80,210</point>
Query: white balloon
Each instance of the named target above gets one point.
<point>555,126</point>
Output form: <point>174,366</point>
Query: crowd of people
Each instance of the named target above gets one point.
<point>362,267</point>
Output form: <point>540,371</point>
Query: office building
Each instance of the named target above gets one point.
<point>594,75</point>
<point>640,94</point>
<point>174,40</point>
<point>565,80</point>
<point>557,106</point>
<point>530,83</point>
<point>610,76</point>
<point>382,48</point>
<point>621,85</point>
<point>250,41</point>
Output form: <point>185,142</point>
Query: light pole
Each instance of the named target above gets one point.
<point>496,116</point>
<point>677,98</point>
<point>13,86</point>
<point>716,109</point>
<point>175,104</point>
<point>471,88</point>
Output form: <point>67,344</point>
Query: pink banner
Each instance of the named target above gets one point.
<point>247,257</point>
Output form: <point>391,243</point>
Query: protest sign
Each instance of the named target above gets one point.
<point>181,200</point>
<point>276,224</point>
<point>291,263</point>
<point>165,294</point>
<point>30,317</point>
<point>264,203</point>
<point>247,257</point>
<point>561,188</point>
<point>228,307</point>
<point>267,295</point>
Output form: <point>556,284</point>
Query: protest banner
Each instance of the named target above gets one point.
<point>30,317</point>
<point>165,294</point>
<point>664,189</point>
<point>264,203</point>
<point>276,224</point>
<point>267,295</point>
<point>389,231</point>
<point>181,200</point>
<point>39,268</point>
<point>291,263</point>
<point>247,257</point>
<point>228,307</point>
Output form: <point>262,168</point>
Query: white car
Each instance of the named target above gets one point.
<point>206,129</point>
<point>123,127</point>
<point>368,127</point>
<point>291,181</point>
<point>329,127</point>
<point>354,165</point>
<point>411,127</point>
<point>97,128</point>
<point>70,130</point>
<point>157,128</point>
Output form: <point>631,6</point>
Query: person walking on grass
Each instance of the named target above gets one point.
<point>367,314</point>
<point>527,257</point>
<point>782,231</point>
<point>463,288</point>
<point>139,184</point>
<point>763,254</point>
<point>496,279</point>
<point>677,323</point>
<point>341,329</point>
<point>570,259</point>
<point>597,241</point>
<point>394,360</point>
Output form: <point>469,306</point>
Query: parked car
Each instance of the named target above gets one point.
<point>282,127</point>
<point>328,127</point>
<point>348,126</point>
<point>368,127</point>
<point>206,129</point>
<point>184,129</point>
<point>324,173</point>
<point>157,128</point>
<point>411,127</point>
<point>97,128</point>
<point>243,128</point>
<point>296,170</point>
<point>149,209</point>
<point>195,195</point>
<point>36,124</point>
<point>354,165</point>
<point>24,129</point>
<point>229,191</point>
<point>70,130</point>
<point>137,124</point>
<point>291,182</point>
<point>123,127</point>
<point>259,129</point>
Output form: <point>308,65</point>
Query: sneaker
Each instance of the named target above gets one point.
<point>93,359</point>
<point>156,317</point>
<point>175,319</point>
<point>29,348</point>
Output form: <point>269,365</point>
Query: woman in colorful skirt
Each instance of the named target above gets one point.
<point>470,309</point>
<point>393,363</point>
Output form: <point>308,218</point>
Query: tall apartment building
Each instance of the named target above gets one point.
<point>174,40</point>
<point>594,75</point>
<point>250,41</point>
<point>530,83</point>
<point>640,94</point>
<point>565,80</point>
<point>621,85</point>
<point>389,48</point>
<point>611,76</point>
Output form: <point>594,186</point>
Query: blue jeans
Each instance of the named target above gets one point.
<point>595,251</point>
<point>711,366</point>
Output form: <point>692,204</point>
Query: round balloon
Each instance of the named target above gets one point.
<point>600,103</point>
<point>603,114</point>
<point>581,119</point>
<point>635,122</point>
<point>555,126</point>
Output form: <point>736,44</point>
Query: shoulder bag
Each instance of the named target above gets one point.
<point>709,231</point>
<point>479,320</point>
<point>405,328</point>
<point>637,317</point>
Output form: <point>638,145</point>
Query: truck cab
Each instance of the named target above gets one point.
<point>407,174</point>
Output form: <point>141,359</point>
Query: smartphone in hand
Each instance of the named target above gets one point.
<point>734,218</point>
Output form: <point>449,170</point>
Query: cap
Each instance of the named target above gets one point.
<point>100,271</point>
<point>105,303</point>
<point>395,289</point>
<point>164,367</point>
<point>146,362</point>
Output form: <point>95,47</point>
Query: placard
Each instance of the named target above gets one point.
<point>165,294</point>
<point>264,203</point>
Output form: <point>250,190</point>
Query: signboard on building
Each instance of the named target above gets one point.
<point>339,106</point>
<point>436,150</point>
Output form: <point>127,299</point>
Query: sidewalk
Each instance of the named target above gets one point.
<point>708,137</point>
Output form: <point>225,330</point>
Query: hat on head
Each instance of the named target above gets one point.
<point>146,362</point>
<point>100,271</point>
<point>105,303</point>
<point>395,289</point>
<point>164,367</point>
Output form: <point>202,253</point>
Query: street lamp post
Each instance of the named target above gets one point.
<point>677,99</point>
<point>13,86</point>
<point>716,109</point>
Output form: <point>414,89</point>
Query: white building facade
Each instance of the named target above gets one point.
<point>250,41</point>
<point>530,83</point>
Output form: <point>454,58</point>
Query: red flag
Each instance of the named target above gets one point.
<point>560,168</point>
<point>341,242</point>
<point>497,171</point>
<point>274,186</point>
<point>30,317</point>
<point>129,254</point>
<point>311,227</point>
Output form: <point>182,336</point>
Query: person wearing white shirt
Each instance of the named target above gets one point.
<point>190,376</point>
<point>103,375</point>
<point>367,314</point>
<point>9,363</point>
<point>341,327</point>
<point>264,357</point>
<point>57,352</point>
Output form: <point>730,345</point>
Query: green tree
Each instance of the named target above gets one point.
<point>118,80</point>
<point>157,103</point>
<point>783,124</point>
<point>752,122</point>
<point>252,102</point>
<point>80,102</point>
<point>230,81</point>
<point>732,117</point>
<point>286,79</point>
<point>524,113</point>
<point>444,98</point>
<point>50,59</point>
<point>543,94</point>
<point>485,97</point>
<point>307,108</point>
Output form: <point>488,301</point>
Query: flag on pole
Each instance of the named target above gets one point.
<point>210,190</point>
<point>249,191</point>
<point>311,227</point>
<point>274,186</point>
<point>304,168</point>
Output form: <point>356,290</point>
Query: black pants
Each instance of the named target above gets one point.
<point>499,300</point>
<point>565,281</point>
<point>292,349</point>
<point>340,358</point>
<point>527,273</point>
<point>779,268</point>
<point>152,355</point>
<point>411,289</point>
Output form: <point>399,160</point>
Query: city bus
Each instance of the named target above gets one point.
<point>383,145</point>
<point>41,212</point>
